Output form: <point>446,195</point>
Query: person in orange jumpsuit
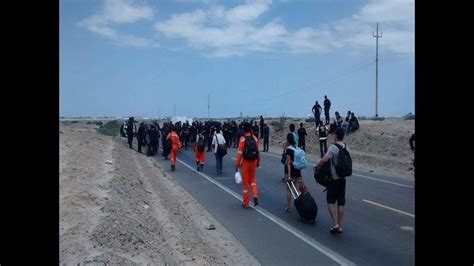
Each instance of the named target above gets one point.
<point>175,146</point>
<point>200,152</point>
<point>248,159</point>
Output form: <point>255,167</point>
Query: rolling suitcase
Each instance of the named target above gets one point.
<point>304,204</point>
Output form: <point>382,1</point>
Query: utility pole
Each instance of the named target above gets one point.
<point>208,105</point>
<point>377,36</point>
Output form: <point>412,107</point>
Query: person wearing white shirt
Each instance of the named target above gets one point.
<point>217,140</point>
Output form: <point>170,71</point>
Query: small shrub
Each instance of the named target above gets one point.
<point>74,121</point>
<point>99,123</point>
<point>111,128</point>
<point>409,116</point>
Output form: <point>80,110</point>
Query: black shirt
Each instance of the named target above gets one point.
<point>302,132</point>
<point>317,109</point>
<point>327,105</point>
<point>295,173</point>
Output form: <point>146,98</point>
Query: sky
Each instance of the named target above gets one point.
<point>148,58</point>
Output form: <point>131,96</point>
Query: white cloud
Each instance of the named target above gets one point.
<point>119,12</point>
<point>238,30</point>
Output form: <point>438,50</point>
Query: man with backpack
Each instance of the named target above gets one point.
<point>200,150</point>
<point>248,159</point>
<point>301,137</point>
<point>341,166</point>
<point>327,106</point>
<point>322,134</point>
<point>220,149</point>
<point>317,112</point>
<point>294,163</point>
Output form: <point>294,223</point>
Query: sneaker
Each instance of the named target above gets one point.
<point>255,201</point>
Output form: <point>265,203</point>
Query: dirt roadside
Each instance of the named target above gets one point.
<point>130,211</point>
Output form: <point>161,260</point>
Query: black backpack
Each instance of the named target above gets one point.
<point>344,162</point>
<point>201,145</point>
<point>322,131</point>
<point>250,149</point>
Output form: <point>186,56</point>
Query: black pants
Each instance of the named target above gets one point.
<point>261,132</point>
<point>130,139</point>
<point>317,119</point>
<point>321,143</point>
<point>209,144</point>
<point>186,140</point>
<point>266,142</point>
<point>326,114</point>
<point>302,143</point>
<point>140,144</point>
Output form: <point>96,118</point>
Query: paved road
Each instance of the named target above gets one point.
<point>378,222</point>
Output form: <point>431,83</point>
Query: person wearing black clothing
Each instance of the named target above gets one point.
<point>130,131</point>
<point>353,123</point>
<point>262,123</point>
<point>141,134</point>
<point>327,106</point>
<point>210,134</point>
<point>317,112</point>
<point>322,135</point>
<point>302,137</point>
<point>266,137</point>
<point>122,131</point>
<point>256,130</point>
<point>291,173</point>
<point>185,135</point>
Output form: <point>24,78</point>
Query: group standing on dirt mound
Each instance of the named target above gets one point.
<point>334,166</point>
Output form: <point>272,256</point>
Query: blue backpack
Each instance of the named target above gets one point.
<point>299,161</point>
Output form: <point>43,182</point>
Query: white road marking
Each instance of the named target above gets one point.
<point>408,228</point>
<point>390,208</point>
<point>313,243</point>
<point>371,178</point>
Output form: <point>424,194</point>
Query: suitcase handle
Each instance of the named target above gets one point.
<point>293,189</point>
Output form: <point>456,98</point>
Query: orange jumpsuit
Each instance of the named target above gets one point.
<point>175,145</point>
<point>199,155</point>
<point>248,169</point>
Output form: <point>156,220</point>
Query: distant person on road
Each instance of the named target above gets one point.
<point>291,173</point>
<point>292,131</point>
<point>302,137</point>
<point>141,134</point>
<point>317,112</point>
<point>262,123</point>
<point>336,189</point>
<point>154,140</point>
<point>175,146</point>
<point>266,137</point>
<point>248,159</point>
<point>322,134</point>
<point>327,106</point>
<point>218,140</point>
<point>200,150</point>
<point>256,130</point>
<point>130,131</point>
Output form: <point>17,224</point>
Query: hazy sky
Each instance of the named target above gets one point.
<point>124,57</point>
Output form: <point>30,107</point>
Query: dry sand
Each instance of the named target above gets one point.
<point>378,146</point>
<point>130,212</point>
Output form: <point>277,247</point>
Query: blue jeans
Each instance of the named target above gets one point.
<point>218,163</point>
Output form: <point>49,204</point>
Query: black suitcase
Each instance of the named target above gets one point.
<point>304,204</point>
